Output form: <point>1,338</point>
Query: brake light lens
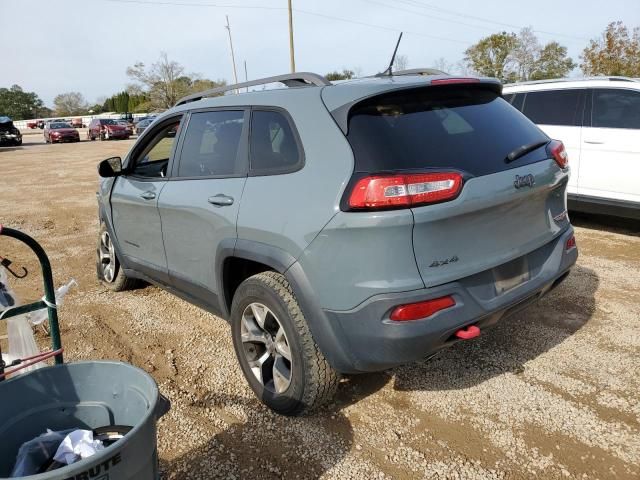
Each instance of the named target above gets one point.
<point>445,81</point>
<point>394,191</point>
<point>420,310</point>
<point>559,153</point>
<point>571,243</point>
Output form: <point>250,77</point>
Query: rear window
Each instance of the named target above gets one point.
<point>463,128</point>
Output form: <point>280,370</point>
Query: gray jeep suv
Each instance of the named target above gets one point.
<point>340,228</point>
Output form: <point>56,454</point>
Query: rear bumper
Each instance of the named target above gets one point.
<point>373,342</point>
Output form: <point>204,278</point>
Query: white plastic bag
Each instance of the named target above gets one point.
<point>36,318</point>
<point>22,343</point>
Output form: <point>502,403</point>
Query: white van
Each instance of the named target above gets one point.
<point>598,119</point>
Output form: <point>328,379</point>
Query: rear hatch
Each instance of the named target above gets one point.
<point>501,209</point>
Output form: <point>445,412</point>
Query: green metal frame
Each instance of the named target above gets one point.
<point>49,289</point>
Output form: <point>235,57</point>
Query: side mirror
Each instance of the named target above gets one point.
<point>111,167</point>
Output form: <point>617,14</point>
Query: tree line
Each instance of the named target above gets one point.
<point>508,56</point>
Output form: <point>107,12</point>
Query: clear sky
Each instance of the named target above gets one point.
<point>52,47</point>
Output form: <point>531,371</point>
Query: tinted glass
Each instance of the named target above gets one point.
<point>518,101</point>
<point>616,109</point>
<point>555,107</point>
<point>508,97</point>
<point>468,129</point>
<point>273,144</point>
<point>154,158</point>
<point>107,121</point>
<point>59,125</point>
<point>211,144</point>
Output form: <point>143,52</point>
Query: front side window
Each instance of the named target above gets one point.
<point>553,107</point>
<point>274,148</point>
<point>614,108</point>
<point>154,158</point>
<point>211,144</point>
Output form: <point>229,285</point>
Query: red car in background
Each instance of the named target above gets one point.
<point>60,132</point>
<point>106,129</point>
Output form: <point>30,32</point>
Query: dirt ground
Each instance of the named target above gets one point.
<point>553,392</point>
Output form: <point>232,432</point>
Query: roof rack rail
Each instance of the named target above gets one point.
<point>583,79</point>
<point>298,79</point>
<point>420,71</point>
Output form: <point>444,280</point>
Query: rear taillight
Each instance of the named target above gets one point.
<point>396,191</point>
<point>445,81</point>
<point>559,153</point>
<point>571,243</point>
<point>420,310</point>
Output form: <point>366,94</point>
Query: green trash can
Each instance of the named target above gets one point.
<point>84,395</point>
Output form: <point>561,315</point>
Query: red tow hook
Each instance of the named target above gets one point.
<point>468,333</point>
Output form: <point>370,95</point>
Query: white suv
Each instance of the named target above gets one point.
<point>598,120</point>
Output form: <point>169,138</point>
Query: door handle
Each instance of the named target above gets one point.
<point>148,195</point>
<point>594,142</point>
<point>220,200</point>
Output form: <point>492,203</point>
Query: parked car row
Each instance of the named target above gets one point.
<point>58,131</point>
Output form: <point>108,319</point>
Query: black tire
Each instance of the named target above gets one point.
<point>116,280</point>
<point>312,380</point>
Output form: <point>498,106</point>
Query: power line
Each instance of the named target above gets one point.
<point>195,4</point>
<point>297,10</point>
<point>416,3</point>
<point>382,27</point>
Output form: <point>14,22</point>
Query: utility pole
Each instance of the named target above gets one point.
<point>233,57</point>
<point>291,50</point>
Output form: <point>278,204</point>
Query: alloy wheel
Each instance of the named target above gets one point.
<point>266,347</point>
<point>107,258</point>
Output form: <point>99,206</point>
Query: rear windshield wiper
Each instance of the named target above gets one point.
<point>523,150</point>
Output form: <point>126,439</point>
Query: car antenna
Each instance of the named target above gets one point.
<point>389,70</point>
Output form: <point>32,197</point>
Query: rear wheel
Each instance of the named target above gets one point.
<point>277,353</point>
<point>108,266</point>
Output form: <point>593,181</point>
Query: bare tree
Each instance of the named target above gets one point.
<point>161,80</point>
<point>70,103</point>
<point>526,53</point>
<point>401,62</point>
<point>443,65</point>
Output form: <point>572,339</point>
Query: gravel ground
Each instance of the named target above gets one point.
<point>553,392</point>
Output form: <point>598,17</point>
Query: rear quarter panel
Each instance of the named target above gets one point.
<point>288,211</point>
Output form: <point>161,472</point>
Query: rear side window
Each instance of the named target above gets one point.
<point>274,144</point>
<point>211,144</point>
<point>554,107</point>
<point>614,108</point>
<point>463,128</point>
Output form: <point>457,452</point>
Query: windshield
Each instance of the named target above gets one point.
<point>59,125</point>
<point>107,121</point>
<point>464,128</point>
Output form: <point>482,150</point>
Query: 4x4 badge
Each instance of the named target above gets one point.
<point>525,181</point>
